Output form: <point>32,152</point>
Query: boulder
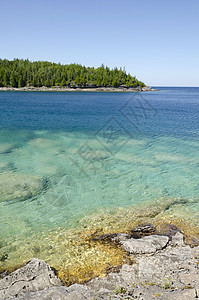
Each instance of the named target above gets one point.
<point>35,276</point>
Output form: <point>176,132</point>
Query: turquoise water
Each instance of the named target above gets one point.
<point>64,156</point>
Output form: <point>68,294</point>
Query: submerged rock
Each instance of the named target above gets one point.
<point>169,229</point>
<point>18,186</point>
<point>4,257</point>
<point>6,148</point>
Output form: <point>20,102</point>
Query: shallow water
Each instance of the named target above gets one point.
<point>66,156</point>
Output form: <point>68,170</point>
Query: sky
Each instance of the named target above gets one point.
<point>156,41</point>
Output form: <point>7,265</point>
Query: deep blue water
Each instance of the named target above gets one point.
<point>176,111</point>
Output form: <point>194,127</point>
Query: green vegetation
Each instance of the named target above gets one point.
<point>119,290</point>
<point>20,73</point>
<point>167,284</point>
<point>157,295</point>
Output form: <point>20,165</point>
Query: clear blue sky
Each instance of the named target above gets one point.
<point>156,40</point>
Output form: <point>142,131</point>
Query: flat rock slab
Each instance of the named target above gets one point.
<point>74,292</point>
<point>34,276</point>
<point>54,293</point>
<point>180,295</point>
<point>146,245</point>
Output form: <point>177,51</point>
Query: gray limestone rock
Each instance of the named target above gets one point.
<point>74,292</point>
<point>180,295</point>
<point>36,275</point>
<point>177,240</point>
<point>54,293</point>
<point>145,245</point>
<point>170,273</point>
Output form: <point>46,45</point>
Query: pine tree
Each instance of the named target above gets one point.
<point>13,80</point>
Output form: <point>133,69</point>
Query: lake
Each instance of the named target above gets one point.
<point>73,163</point>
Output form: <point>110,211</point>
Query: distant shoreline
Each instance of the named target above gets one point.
<point>67,89</point>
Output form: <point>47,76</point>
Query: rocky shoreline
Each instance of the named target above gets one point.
<point>78,89</point>
<point>161,266</point>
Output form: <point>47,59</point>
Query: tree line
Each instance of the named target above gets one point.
<point>20,73</point>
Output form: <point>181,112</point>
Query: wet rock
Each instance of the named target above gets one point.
<point>34,276</point>
<point>145,245</point>
<point>119,237</point>
<point>192,241</point>
<point>107,238</point>
<point>169,229</point>
<point>145,229</point>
